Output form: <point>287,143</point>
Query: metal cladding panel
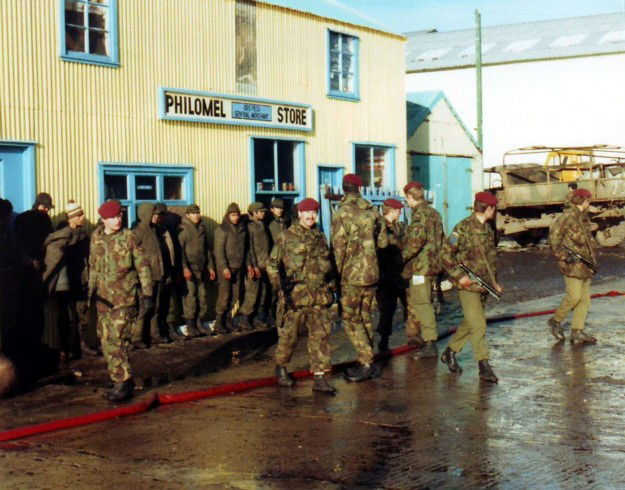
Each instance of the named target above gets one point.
<point>81,114</point>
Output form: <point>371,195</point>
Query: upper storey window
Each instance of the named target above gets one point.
<point>343,66</point>
<point>89,31</point>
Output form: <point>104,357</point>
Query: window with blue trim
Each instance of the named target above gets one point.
<point>343,63</point>
<point>89,31</point>
<point>132,185</point>
<point>375,166</point>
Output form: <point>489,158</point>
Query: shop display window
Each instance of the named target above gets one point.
<point>135,184</point>
<point>375,166</point>
<point>277,169</point>
<point>343,52</point>
<point>89,31</point>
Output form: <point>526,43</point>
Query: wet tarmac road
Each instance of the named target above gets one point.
<point>554,420</point>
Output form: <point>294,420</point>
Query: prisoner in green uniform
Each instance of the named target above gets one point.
<point>472,244</point>
<point>118,274</point>
<point>569,239</point>
<point>301,270</point>
<point>421,253</point>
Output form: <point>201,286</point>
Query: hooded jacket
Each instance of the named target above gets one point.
<point>231,246</point>
<point>196,255</point>
<point>146,232</point>
<point>67,260</point>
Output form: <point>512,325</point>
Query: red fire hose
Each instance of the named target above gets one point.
<point>157,399</point>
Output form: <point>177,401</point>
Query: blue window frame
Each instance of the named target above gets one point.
<point>375,164</point>
<point>88,31</point>
<point>134,184</point>
<point>343,66</point>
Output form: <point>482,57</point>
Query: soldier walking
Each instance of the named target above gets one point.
<point>570,235</point>
<point>197,269</point>
<point>391,286</point>
<point>232,259</point>
<point>421,253</point>
<point>472,244</point>
<point>357,231</point>
<point>118,271</point>
<point>257,299</point>
<point>301,270</point>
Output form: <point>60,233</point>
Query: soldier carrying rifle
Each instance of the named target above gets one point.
<point>472,245</point>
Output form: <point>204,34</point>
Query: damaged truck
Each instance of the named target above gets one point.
<point>532,185</point>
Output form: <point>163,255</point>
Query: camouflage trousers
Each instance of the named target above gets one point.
<point>195,300</point>
<point>115,331</point>
<point>421,315</point>
<point>387,296</point>
<point>473,326</point>
<point>577,298</point>
<point>317,320</point>
<point>357,304</point>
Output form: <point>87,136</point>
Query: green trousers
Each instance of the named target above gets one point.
<point>357,304</point>
<point>115,330</point>
<point>473,327</point>
<point>577,298</point>
<point>421,316</point>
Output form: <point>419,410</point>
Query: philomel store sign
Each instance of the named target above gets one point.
<point>191,106</point>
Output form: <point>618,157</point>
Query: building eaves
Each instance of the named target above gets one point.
<point>550,39</point>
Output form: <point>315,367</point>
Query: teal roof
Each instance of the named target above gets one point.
<point>419,105</point>
<point>331,9</point>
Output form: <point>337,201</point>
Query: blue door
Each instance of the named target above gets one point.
<point>17,183</point>
<point>330,180</point>
<point>447,181</point>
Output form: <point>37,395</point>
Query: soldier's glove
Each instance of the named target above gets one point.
<point>571,260</point>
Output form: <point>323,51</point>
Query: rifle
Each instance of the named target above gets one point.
<point>588,263</point>
<point>481,282</point>
<point>285,286</point>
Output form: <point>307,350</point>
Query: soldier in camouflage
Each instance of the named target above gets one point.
<point>572,229</point>
<point>472,244</point>
<point>391,285</point>
<point>301,270</point>
<point>118,273</point>
<point>421,253</point>
<point>358,230</point>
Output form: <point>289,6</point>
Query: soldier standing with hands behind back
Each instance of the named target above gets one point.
<point>118,271</point>
<point>572,230</point>
<point>472,244</point>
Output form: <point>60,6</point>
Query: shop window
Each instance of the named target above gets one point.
<point>132,185</point>
<point>376,167</point>
<point>89,31</point>
<point>277,169</point>
<point>343,52</point>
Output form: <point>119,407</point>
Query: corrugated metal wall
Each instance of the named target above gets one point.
<point>81,114</point>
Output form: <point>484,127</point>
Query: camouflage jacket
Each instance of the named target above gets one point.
<point>389,258</point>
<point>196,254</point>
<point>259,242</point>
<point>572,229</point>
<point>231,246</point>
<point>118,269</point>
<point>307,266</point>
<point>277,226</point>
<point>357,231</point>
<point>472,244</point>
<point>422,242</point>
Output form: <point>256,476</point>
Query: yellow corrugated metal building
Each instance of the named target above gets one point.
<point>206,101</point>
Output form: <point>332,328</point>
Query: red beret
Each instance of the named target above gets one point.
<point>486,198</point>
<point>393,203</point>
<point>585,193</point>
<point>352,179</point>
<point>308,204</point>
<point>110,209</point>
<point>413,185</point>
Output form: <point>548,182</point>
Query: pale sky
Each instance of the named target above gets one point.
<point>448,15</point>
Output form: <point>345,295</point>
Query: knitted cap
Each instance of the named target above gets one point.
<point>72,209</point>
<point>233,207</point>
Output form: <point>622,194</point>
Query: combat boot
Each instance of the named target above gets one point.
<point>121,391</point>
<point>88,351</point>
<point>176,334</point>
<point>205,330</point>
<point>417,341</point>
<point>220,324</point>
<point>156,337</point>
<point>556,329</point>
<point>486,372</point>
<point>244,324</point>
<point>362,372</point>
<point>192,330</point>
<point>428,350</point>
<point>449,358</point>
<point>321,385</point>
<point>284,378</point>
<point>581,337</point>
